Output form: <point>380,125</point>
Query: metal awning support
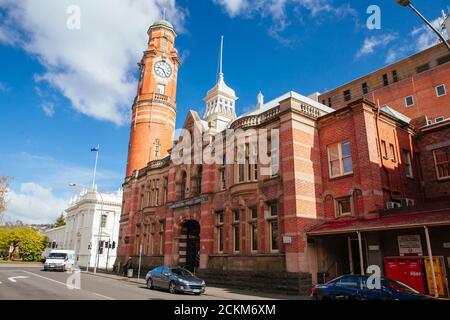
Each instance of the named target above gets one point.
<point>430,255</point>
<point>350,254</point>
<point>361,257</point>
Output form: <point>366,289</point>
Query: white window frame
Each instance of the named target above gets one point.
<point>445,90</point>
<point>159,87</point>
<point>439,119</point>
<point>407,157</point>
<point>338,213</point>
<point>406,101</point>
<point>340,159</point>
<point>270,235</point>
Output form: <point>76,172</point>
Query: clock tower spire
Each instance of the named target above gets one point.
<point>220,100</point>
<point>154,108</point>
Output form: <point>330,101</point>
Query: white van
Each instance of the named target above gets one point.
<point>62,260</point>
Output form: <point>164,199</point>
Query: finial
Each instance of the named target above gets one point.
<point>260,98</point>
<point>164,13</point>
<point>221,54</point>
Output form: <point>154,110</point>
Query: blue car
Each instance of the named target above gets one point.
<point>355,287</point>
<point>175,280</point>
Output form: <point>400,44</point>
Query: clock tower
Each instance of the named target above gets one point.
<point>154,108</point>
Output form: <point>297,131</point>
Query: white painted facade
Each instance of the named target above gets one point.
<point>56,237</point>
<point>83,227</point>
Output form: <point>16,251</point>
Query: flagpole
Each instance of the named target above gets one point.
<point>95,166</point>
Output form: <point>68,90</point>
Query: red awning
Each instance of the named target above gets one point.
<point>387,222</point>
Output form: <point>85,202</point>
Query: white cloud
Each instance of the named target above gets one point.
<point>374,43</point>
<point>3,87</point>
<point>425,36</point>
<point>93,67</point>
<point>419,39</point>
<point>34,204</point>
<point>276,10</point>
<point>48,108</point>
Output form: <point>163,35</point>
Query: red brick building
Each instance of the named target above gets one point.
<point>415,86</point>
<point>321,208</point>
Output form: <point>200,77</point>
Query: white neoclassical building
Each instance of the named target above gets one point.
<point>92,224</point>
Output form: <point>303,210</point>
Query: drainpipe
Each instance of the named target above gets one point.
<point>430,255</point>
<point>361,257</point>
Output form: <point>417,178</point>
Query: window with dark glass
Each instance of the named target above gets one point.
<point>183,186</point>
<point>219,228</point>
<point>365,88</point>
<point>254,229</point>
<point>343,206</point>
<point>440,90</point>
<point>199,180</point>
<point>347,95</point>
<point>442,162</point>
<point>394,75</point>
<point>409,101</point>
<point>423,67</point>
<point>385,80</point>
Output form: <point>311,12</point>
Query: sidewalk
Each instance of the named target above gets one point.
<point>218,292</point>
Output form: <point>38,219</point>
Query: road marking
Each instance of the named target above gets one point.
<point>100,295</point>
<point>13,279</point>
<point>64,284</point>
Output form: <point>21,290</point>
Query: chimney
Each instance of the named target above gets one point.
<point>260,103</point>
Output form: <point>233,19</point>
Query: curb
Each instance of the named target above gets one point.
<point>114,277</point>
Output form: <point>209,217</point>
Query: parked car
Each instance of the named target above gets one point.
<point>354,287</point>
<point>61,260</point>
<point>175,280</point>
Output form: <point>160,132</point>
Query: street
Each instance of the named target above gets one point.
<point>30,282</point>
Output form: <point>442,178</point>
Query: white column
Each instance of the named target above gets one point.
<point>430,255</point>
<point>361,257</point>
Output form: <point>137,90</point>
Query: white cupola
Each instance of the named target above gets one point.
<point>220,102</point>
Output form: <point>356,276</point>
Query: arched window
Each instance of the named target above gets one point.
<point>199,180</point>
<point>183,185</point>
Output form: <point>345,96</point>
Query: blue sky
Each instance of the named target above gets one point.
<point>64,91</point>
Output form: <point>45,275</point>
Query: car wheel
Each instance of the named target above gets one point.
<point>172,288</point>
<point>150,284</point>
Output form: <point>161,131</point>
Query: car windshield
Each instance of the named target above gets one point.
<point>399,287</point>
<point>57,255</point>
<point>181,272</point>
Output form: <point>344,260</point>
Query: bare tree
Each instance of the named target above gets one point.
<point>4,182</point>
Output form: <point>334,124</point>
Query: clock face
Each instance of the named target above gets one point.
<point>163,69</point>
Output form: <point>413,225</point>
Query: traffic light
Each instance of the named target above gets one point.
<point>113,244</point>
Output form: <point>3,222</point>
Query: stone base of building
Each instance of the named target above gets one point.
<point>273,282</point>
<point>147,263</point>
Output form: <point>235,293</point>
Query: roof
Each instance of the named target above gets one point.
<point>390,221</point>
<point>162,22</point>
<point>291,94</point>
<point>399,116</point>
<point>221,88</point>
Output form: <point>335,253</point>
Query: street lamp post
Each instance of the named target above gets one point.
<point>97,254</point>
<point>407,3</point>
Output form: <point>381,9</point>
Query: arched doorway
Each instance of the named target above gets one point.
<point>189,246</point>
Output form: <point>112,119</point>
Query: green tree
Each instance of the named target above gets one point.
<point>61,221</point>
<point>4,181</point>
<point>27,244</point>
